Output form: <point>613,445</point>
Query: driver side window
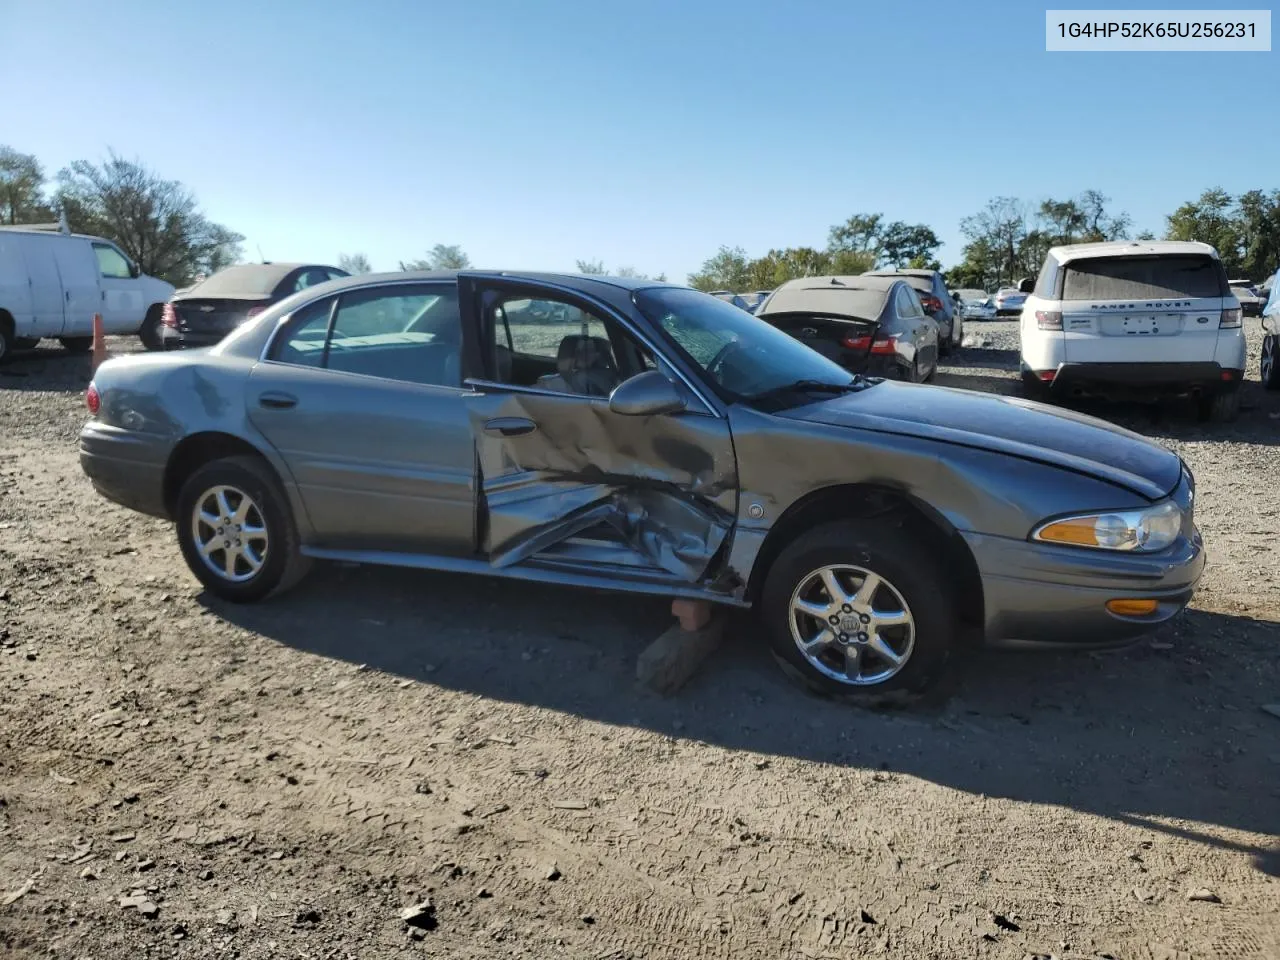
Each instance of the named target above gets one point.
<point>556,345</point>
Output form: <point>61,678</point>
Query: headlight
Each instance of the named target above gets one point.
<point>1144,531</point>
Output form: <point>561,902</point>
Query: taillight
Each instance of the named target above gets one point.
<point>931,303</point>
<point>254,311</point>
<point>1049,319</point>
<point>885,346</point>
<point>92,400</point>
<point>882,346</point>
<point>1230,317</point>
<point>169,317</point>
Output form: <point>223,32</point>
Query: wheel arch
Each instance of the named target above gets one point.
<point>864,500</point>
<point>198,449</point>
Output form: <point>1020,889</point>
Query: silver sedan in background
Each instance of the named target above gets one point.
<point>976,304</point>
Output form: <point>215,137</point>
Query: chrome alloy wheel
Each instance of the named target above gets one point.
<point>852,625</point>
<point>229,533</point>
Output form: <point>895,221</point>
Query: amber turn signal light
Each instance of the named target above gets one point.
<point>1132,608</point>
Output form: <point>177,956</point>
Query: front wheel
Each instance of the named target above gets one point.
<point>1267,366</point>
<point>236,530</point>
<point>859,607</point>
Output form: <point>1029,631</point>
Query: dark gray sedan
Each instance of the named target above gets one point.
<point>628,435</point>
<point>205,312</point>
<point>871,325</point>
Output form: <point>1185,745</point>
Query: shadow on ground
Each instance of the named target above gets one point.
<point>1150,734</point>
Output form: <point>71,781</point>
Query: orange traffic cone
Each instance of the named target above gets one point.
<point>99,343</point>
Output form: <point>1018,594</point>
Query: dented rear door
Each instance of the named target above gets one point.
<point>566,480</point>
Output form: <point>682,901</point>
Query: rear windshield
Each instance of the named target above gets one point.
<point>1140,278</point>
<point>242,282</point>
<point>846,302</point>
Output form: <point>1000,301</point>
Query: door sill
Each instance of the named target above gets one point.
<point>621,579</point>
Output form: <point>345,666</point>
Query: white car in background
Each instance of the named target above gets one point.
<point>1269,364</point>
<point>1137,320</point>
<point>976,304</point>
<point>1009,300</point>
<point>52,282</point>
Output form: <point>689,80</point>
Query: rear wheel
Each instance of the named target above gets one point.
<point>1221,407</point>
<point>8,343</point>
<point>149,332</point>
<point>236,530</point>
<point>1033,388</point>
<point>1268,366</point>
<point>76,344</point>
<point>859,608</point>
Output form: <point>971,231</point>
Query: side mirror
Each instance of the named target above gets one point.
<point>1026,285</point>
<point>135,271</point>
<point>645,395</point>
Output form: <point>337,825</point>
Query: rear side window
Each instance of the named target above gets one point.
<point>1141,278</point>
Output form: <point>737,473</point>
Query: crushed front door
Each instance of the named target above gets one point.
<point>565,479</point>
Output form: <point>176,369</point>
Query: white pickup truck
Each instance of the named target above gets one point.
<point>52,282</point>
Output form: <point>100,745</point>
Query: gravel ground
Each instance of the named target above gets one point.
<point>183,778</point>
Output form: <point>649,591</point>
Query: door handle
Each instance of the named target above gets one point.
<point>67,295</point>
<point>509,426</point>
<point>278,401</point>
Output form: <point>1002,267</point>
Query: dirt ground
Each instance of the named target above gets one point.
<point>284,780</point>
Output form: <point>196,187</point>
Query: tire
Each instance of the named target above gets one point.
<point>282,564</point>
<point>8,342</point>
<point>1221,407</point>
<point>149,332</point>
<point>911,583</point>
<point>76,344</point>
<point>1034,389</point>
<point>1269,364</point>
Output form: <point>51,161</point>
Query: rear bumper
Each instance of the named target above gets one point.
<point>1140,380</point>
<point>1048,595</point>
<point>125,466</point>
<point>171,339</point>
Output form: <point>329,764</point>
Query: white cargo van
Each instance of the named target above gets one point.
<point>52,282</point>
<point>1134,319</point>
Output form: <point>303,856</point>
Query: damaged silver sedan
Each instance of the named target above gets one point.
<point>635,436</point>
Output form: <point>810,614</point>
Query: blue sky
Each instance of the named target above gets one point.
<point>642,134</point>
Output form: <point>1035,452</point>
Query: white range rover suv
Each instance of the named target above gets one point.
<point>1134,320</point>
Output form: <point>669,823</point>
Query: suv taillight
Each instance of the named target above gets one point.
<point>169,317</point>
<point>1049,319</point>
<point>1230,317</point>
<point>92,400</point>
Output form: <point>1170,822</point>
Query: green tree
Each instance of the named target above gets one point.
<point>900,244</point>
<point>727,270</point>
<point>591,267</point>
<point>1211,220</point>
<point>440,257</point>
<point>996,233</point>
<point>1259,230</point>
<point>22,189</point>
<point>860,234</point>
<point>354,263</point>
<point>1100,225</point>
<point>155,221</point>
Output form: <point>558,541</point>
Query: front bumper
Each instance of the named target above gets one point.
<point>125,466</point>
<point>1144,380</point>
<point>1048,594</point>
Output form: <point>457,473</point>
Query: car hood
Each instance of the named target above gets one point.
<point>1009,425</point>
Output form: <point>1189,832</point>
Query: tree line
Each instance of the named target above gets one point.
<point>160,225</point>
<point>1007,240</point>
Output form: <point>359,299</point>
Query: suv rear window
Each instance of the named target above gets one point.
<point>1140,278</point>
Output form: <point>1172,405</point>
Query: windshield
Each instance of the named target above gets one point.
<point>739,355</point>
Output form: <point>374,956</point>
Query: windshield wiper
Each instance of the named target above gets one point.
<point>810,386</point>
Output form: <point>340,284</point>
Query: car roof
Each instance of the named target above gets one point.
<point>1131,248</point>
